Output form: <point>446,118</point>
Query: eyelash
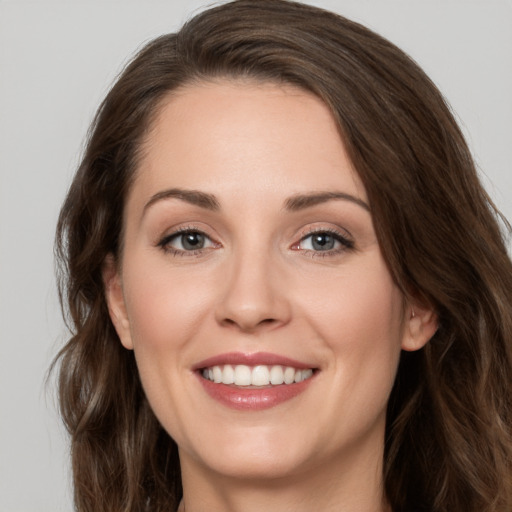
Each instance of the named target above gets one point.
<point>346,243</point>
<point>167,239</point>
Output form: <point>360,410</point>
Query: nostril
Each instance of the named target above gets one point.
<point>248,325</point>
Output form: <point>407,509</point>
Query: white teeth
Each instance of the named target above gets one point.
<point>306,374</point>
<point>289,375</point>
<point>261,375</point>
<point>217,374</point>
<point>228,375</point>
<point>301,375</point>
<point>276,375</point>
<point>242,375</point>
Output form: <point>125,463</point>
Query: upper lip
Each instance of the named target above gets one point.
<point>254,359</point>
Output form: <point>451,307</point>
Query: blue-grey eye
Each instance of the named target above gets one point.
<point>186,241</point>
<point>323,241</point>
<point>192,240</point>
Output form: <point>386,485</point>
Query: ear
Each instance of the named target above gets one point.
<point>115,300</point>
<point>421,324</point>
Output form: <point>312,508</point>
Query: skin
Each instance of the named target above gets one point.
<point>259,285</point>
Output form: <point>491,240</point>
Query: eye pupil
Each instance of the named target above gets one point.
<point>323,242</point>
<point>192,240</point>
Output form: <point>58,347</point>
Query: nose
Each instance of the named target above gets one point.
<point>253,297</point>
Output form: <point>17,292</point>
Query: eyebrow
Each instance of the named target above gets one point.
<point>195,197</point>
<point>303,201</point>
<point>295,203</point>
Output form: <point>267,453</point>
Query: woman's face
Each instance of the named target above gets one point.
<point>250,260</point>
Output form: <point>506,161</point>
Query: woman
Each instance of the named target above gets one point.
<point>287,287</point>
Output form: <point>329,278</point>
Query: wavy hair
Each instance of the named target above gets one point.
<point>449,421</point>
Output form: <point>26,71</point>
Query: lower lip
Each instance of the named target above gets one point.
<point>253,399</point>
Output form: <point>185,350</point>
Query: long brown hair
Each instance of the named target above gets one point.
<point>449,423</point>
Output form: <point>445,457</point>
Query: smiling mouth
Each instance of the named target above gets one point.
<point>254,382</point>
<point>256,376</point>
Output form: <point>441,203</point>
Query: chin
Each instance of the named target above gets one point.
<point>258,468</point>
<point>257,454</point>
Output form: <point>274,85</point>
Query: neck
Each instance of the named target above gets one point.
<point>348,486</point>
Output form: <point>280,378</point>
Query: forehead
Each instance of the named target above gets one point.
<point>254,137</point>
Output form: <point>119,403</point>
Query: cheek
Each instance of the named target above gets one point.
<point>359,306</point>
<point>164,307</point>
<point>360,324</point>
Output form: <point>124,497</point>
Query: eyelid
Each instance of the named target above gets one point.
<point>164,241</point>
<point>183,227</point>
<point>341,235</point>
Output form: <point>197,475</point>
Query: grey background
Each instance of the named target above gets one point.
<point>57,60</point>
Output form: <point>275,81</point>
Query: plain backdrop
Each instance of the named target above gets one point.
<point>57,60</point>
